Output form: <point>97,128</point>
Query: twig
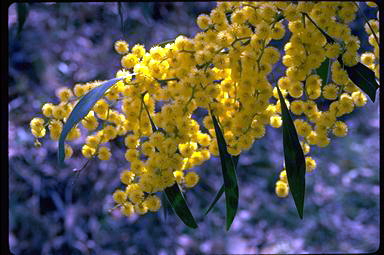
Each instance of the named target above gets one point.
<point>370,27</point>
<point>329,39</point>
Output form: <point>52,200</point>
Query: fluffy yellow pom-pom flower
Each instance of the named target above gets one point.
<point>121,47</point>
<point>191,179</point>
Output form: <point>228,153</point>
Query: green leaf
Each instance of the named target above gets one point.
<point>323,71</point>
<point>229,174</point>
<point>22,13</point>
<point>235,159</point>
<point>294,157</point>
<point>81,110</point>
<point>363,77</point>
<point>179,205</point>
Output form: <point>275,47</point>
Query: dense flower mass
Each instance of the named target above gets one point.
<point>231,67</point>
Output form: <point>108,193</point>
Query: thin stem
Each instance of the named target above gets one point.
<point>239,39</point>
<point>219,50</point>
<point>279,16</point>
<point>366,20</point>
<point>329,39</point>
<point>154,129</point>
<point>120,8</point>
<point>189,100</point>
<point>162,44</point>
<point>329,72</point>
<point>252,6</point>
<point>77,171</point>
<point>188,51</point>
<point>169,79</point>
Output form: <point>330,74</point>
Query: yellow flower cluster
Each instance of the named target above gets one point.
<point>228,68</point>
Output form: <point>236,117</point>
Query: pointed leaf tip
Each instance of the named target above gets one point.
<point>179,205</point>
<point>294,157</point>
<point>229,174</point>
<point>235,160</point>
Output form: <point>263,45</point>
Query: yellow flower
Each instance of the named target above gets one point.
<point>64,94</point>
<point>350,58</point>
<point>147,148</point>
<point>131,155</point>
<point>296,26</point>
<point>127,209</point>
<point>367,58</point>
<point>140,209</point>
<point>59,112</point>
<point>47,110</point>
<point>129,60</point>
<point>332,50</point>
<point>156,138</point>
<point>187,149</point>
<point>55,128</point>
<point>121,47</point>
<point>68,151</point>
<point>276,121</point>
<point>136,195</point>
<point>152,203</point>
<point>277,31</point>
<point>258,129</point>
<point>127,177</point>
<point>131,141</point>
<point>203,139</point>
<point>213,148</point>
<point>90,122</point>
<point>310,164</point>
<point>87,151</point>
<point>39,132</point>
<point>36,123</point>
<point>340,129</point>
<point>306,148</point>
<point>100,107</point>
<point>79,90</point>
<point>330,91</point>
<point>191,179</point>
<point>109,132</point>
<point>283,176</point>
<point>203,21</point>
<point>281,189</point>
<point>119,196</point>
<point>104,153</point>
<point>179,175</point>
<point>296,89</point>
<point>157,53</point>
<point>138,50</point>
<point>303,128</point>
<point>297,107</point>
<point>359,98</point>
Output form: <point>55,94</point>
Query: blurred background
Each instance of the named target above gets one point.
<point>52,212</point>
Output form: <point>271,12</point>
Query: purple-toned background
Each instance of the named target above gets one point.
<point>51,212</point>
